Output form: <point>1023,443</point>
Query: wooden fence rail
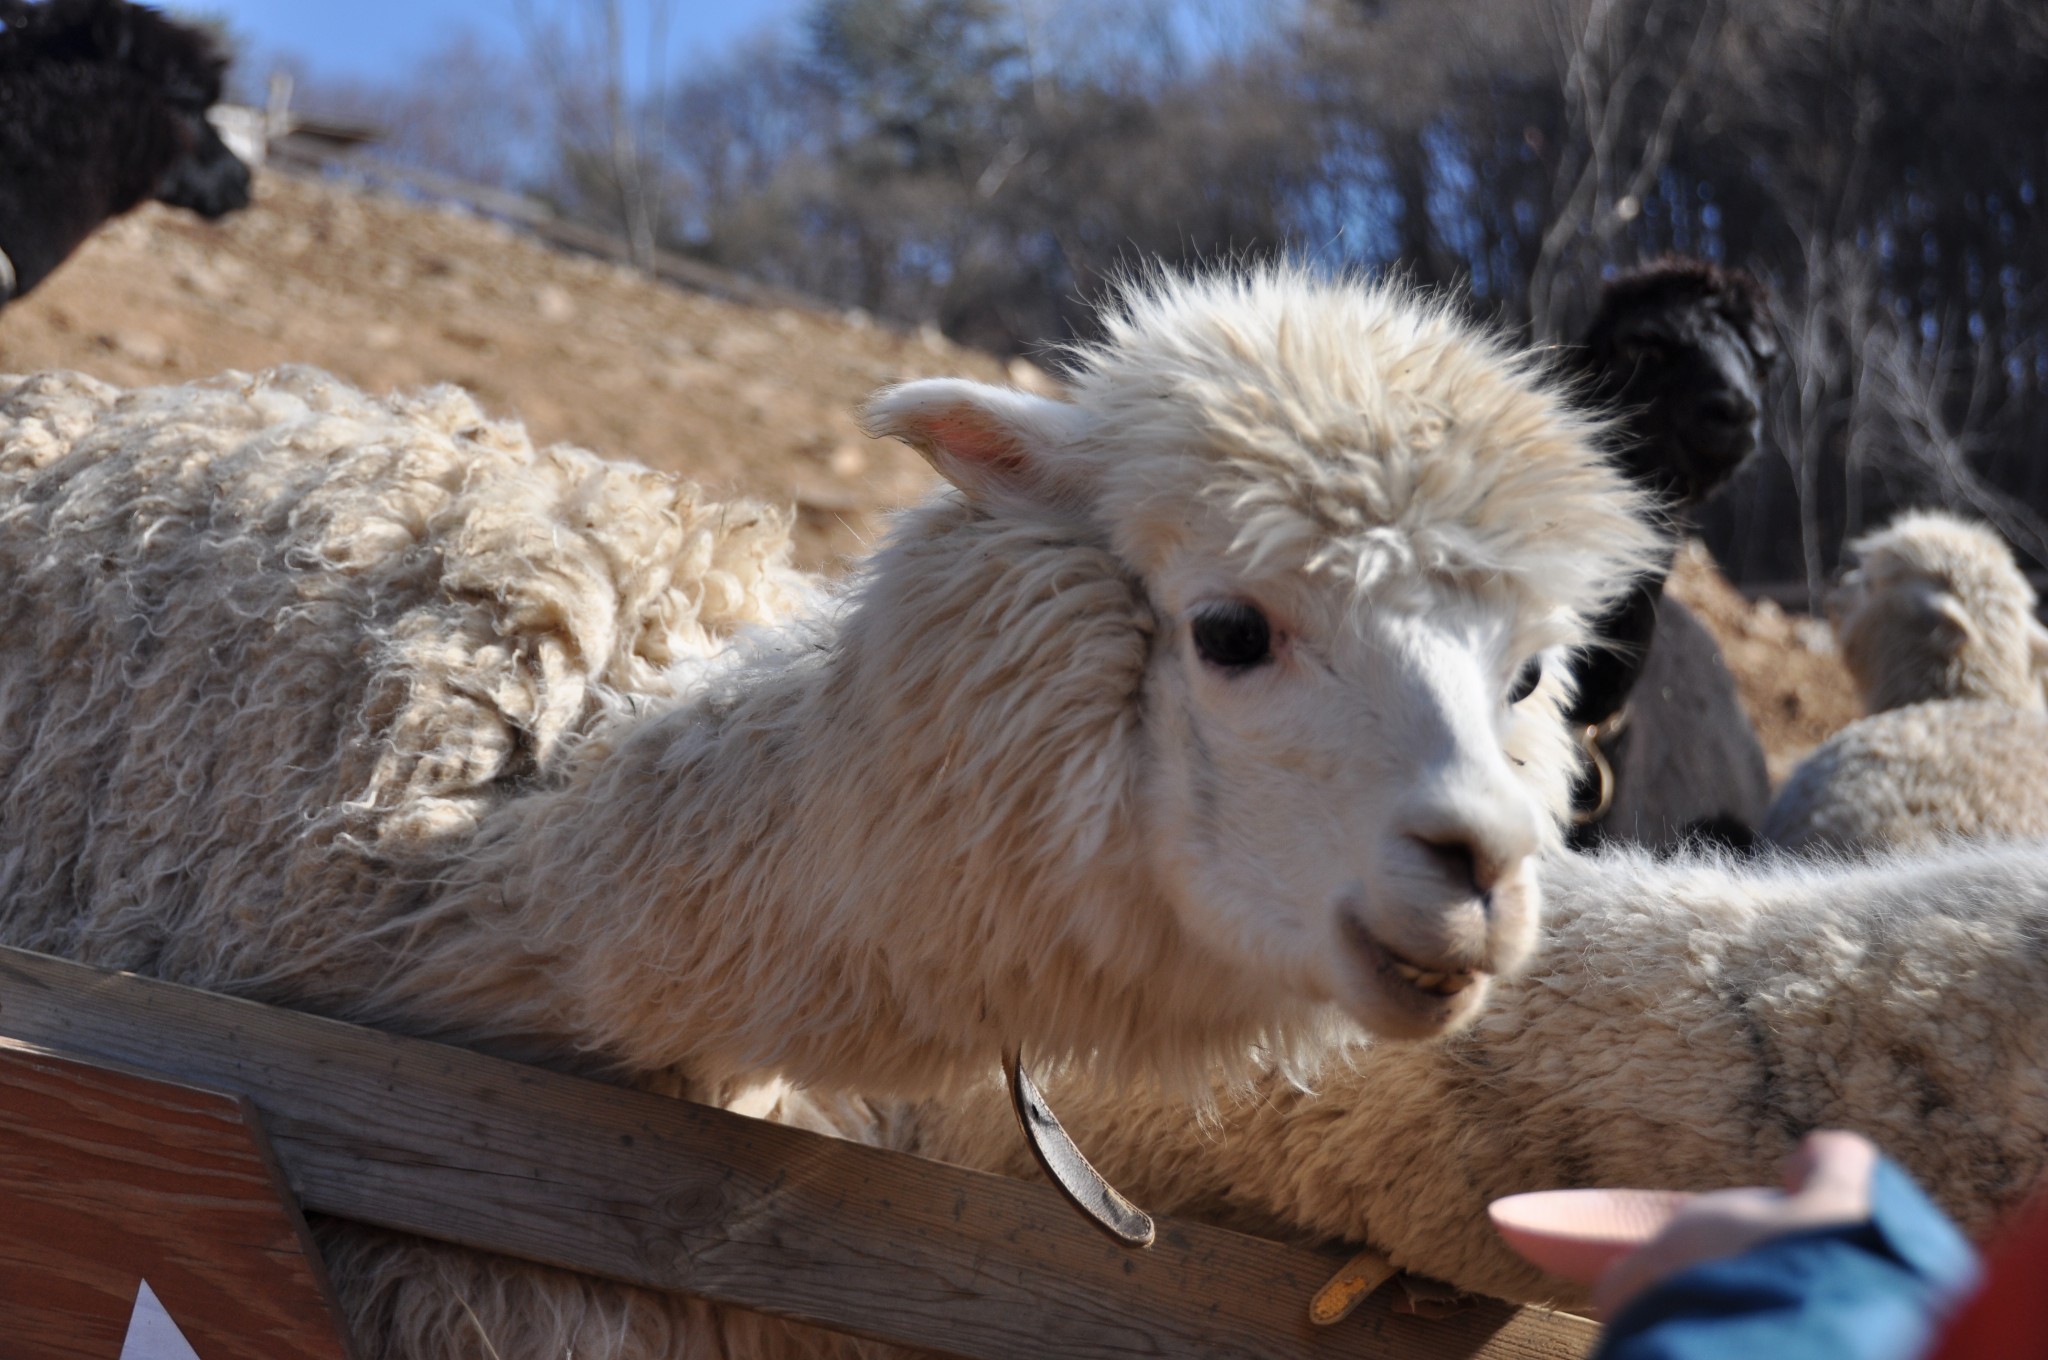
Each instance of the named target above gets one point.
<point>453,1145</point>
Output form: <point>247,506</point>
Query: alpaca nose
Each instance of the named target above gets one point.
<point>1474,847</point>
<point>1471,869</point>
<point>1460,864</point>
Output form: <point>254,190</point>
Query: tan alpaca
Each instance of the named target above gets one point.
<point>1937,625</point>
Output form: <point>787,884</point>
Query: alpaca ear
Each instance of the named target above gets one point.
<point>113,34</point>
<point>1842,599</point>
<point>2037,648</point>
<point>1006,449</point>
<point>1947,622</point>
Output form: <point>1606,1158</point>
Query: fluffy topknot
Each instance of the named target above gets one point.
<point>1354,428</point>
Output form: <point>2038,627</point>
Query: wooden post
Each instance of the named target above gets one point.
<point>451,1144</point>
<point>109,1180</point>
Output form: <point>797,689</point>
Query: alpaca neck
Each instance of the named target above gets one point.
<point>34,245</point>
<point>1609,667</point>
<point>50,205</point>
<point>870,862</point>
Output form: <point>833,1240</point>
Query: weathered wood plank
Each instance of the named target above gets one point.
<point>109,1178</point>
<point>457,1146</point>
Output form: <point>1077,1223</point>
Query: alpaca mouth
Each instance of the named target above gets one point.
<point>1435,982</point>
<point>1402,972</point>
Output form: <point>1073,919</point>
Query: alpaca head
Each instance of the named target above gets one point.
<point>186,68</point>
<point>163,73</point>
<point>1681,349</point>
<point>1342,534</point>
<point>1936,608</point>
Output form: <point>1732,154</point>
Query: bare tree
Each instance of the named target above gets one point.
<point>1823,329</point>
<point>453,111</point>
<point>1912,381</point>
<point>606,131</point>
<point>986,165</point>
<point>1628,72</point>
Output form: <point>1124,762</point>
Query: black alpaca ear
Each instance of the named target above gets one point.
<point>113,32</point>
<point>1763,344</point>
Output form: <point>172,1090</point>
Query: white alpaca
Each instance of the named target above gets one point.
<point>1936,608</point>
<point>1185,718</point>
<point>1209,699</point>
<point>1936,623</point>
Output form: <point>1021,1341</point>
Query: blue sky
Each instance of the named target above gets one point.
<point>374,38</point>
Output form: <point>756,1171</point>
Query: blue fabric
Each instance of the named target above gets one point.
<point>1866,1291</point>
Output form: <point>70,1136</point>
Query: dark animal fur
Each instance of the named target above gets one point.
<point>1680,349</point>
<point>103,105</point>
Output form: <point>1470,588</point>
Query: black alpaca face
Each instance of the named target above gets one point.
<point>179,71</point>
<point>1691,378</point>
<point>107,101</point>
<point>208,179</point>
<point>187,71</point>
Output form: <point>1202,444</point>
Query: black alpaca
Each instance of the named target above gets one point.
<point>1680,350</point>
<point>102,106</point>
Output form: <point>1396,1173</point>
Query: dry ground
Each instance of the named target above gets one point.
<point>390,293</point>
<point>1785,666</point>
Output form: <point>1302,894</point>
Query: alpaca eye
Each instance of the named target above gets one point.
<point>1234,635</point>
<point>1526,680</point>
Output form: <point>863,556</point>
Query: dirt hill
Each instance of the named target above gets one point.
<point>389,293</point>
<point>1786,668</point>
<point>392,293</point>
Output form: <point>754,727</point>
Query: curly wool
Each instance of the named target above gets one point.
<point>1914,777</point>
<point>409,614</point>
<point>1361,431</point>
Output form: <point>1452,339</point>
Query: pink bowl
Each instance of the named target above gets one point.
<point>1577,1234</point>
